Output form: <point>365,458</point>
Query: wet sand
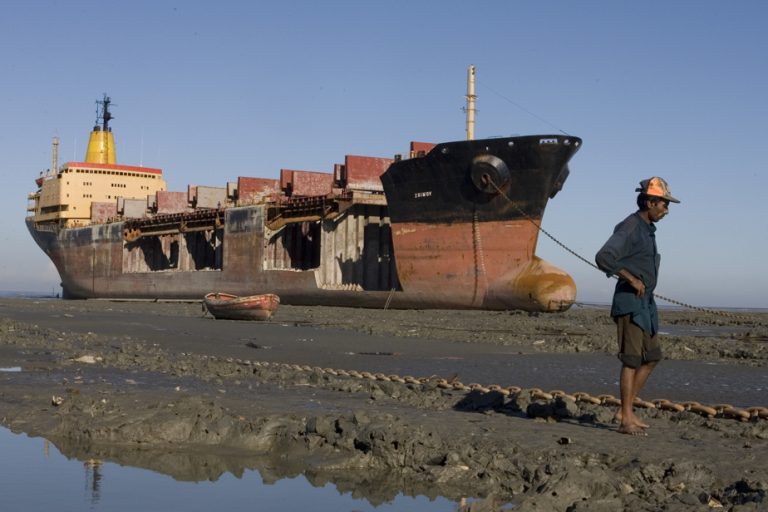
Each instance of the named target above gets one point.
<point>161,386</point>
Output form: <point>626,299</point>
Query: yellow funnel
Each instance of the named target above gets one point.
<point>101,147</point>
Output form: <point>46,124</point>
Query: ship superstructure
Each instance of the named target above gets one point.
<point>80,193</point>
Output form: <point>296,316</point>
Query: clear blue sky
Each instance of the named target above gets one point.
<point>209,91</point>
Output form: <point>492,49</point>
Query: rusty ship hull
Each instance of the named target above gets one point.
<point>453,226</point>
<point>96,262</point>
<point>466,218</point>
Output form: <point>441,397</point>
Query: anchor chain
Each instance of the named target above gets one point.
<point>755,413</point>
<point>480,272</point>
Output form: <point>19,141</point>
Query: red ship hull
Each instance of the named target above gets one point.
<point>488,265</point>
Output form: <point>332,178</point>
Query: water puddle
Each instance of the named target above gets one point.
<point>10,369</point>
<point>36,476</point>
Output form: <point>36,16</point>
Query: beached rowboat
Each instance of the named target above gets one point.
<point>233,307</point>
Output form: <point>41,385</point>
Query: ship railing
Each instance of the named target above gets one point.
<point>301,209</point>
<point>173,223</point>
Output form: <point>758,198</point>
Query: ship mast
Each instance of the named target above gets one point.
<point>55,167</point>
<point>471,103</point>
<point>103,113</point>
<point>101,144</point>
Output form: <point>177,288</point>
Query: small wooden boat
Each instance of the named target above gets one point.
<point>232,307</point>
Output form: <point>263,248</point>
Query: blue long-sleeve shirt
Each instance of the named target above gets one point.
<point>632,247</point>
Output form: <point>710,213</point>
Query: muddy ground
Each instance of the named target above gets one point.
<point>164,387</point>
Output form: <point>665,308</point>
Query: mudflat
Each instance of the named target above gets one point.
<point>492,405</point>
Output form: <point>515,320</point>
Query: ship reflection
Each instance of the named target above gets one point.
<point>93,474</point>
<point>93,478</point>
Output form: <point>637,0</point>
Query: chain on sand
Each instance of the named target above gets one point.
<point>709,411</point>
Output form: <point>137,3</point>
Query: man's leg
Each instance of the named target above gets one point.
<point>631,382</point>
<point>641,375</point>
<point>626,416</point>
<point>639,353</point>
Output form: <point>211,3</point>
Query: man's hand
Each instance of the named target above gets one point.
<point>633,281</point>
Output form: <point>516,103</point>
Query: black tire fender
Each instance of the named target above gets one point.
<point>487,170</point>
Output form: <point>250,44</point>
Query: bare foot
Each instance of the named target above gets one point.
<point>634,420</point>
<point>632,430</point>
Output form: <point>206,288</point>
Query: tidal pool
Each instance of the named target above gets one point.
<point>35,476</point>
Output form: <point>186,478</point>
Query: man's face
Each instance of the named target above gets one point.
<point>657,209</point>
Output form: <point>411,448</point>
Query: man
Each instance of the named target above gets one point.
<point>630,254</point>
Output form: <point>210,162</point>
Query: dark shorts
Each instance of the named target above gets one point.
<point>636,347</point>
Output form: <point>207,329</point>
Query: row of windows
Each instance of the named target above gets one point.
<point>114,185</point>
<point>90,196</point>
<point>113,173</point>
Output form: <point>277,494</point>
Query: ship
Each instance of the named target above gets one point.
<point>450,225</point>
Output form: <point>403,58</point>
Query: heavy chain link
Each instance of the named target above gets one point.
<point>756,413</point>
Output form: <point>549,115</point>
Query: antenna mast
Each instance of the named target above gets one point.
<point>471,103</point>
<point>55,162</point>
<point>101,144</point>
<point>102,112</point>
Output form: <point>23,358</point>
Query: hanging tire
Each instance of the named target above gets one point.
<point>487,170</point>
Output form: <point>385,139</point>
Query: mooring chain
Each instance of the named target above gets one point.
<point>477,244</point>
<point>699,308</point>
<point>709,411</point>
<point>582,258</point>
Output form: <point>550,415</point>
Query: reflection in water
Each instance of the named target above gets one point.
<point>376,487</point>
<point>199,482</point>
<point>92,474</point>
<point>93,479</point>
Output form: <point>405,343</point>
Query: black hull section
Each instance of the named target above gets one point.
<point>455,181</point>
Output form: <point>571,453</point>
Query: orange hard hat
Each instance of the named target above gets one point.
<point>656,187</point>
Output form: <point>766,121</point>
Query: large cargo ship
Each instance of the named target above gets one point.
<point>450,225</point>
